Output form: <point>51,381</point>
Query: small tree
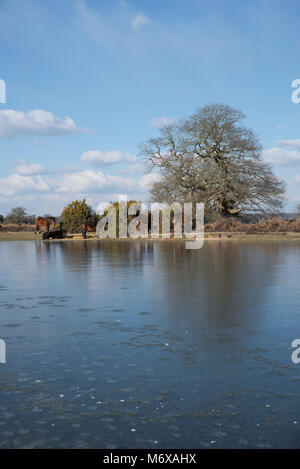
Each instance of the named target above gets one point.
<point>76,213</point>
<point>1,218</point>
<point>16,215</point>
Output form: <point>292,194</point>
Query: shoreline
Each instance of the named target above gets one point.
<point>209,236</point>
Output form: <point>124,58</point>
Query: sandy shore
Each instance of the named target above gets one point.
<point>226,236</point>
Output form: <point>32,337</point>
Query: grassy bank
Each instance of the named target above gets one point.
<point>30,236</point>
<point>215,236</point>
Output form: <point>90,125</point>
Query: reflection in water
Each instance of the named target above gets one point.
<point>187,348</point>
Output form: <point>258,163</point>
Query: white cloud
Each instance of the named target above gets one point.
<point>287,152</point>
<point>147,180</point>
<point>290,144</point>
<point>36,122</point>
<point>139,20</point>
<point>281,156</point>
<point>19,184</point>
<point>133,169</point>
<point>87,181</point>
<point>99,158</point>
<point>28,169</point>
<point>92,181</point>
<point>50,192</point>
<point>161,122</point>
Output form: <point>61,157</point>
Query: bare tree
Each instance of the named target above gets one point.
<point>212,158</point>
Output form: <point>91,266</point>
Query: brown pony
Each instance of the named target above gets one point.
<point>88,226</point>
<point>43,222</point>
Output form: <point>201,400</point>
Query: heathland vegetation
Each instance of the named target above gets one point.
<point>78,212</point>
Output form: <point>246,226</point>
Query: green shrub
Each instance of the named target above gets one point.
<point>76,213</point>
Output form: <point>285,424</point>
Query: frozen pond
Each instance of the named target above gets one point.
<point>148,345</point>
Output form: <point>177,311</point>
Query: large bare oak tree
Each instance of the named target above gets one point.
<point>212,158</point>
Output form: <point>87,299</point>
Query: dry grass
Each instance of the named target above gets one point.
<point>19,236</point>
<point>272,225</point>
<point>12,228</point>
<point>30,236</point>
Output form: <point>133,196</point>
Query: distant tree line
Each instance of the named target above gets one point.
<point>18,216</point>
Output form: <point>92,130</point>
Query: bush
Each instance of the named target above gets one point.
<point>76,213</point>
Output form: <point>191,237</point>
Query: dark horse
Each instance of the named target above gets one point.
<point>55,234</point>
<point>44,222</point>
<point>88,226</point>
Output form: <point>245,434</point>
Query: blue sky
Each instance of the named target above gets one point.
<point>89,80</point>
